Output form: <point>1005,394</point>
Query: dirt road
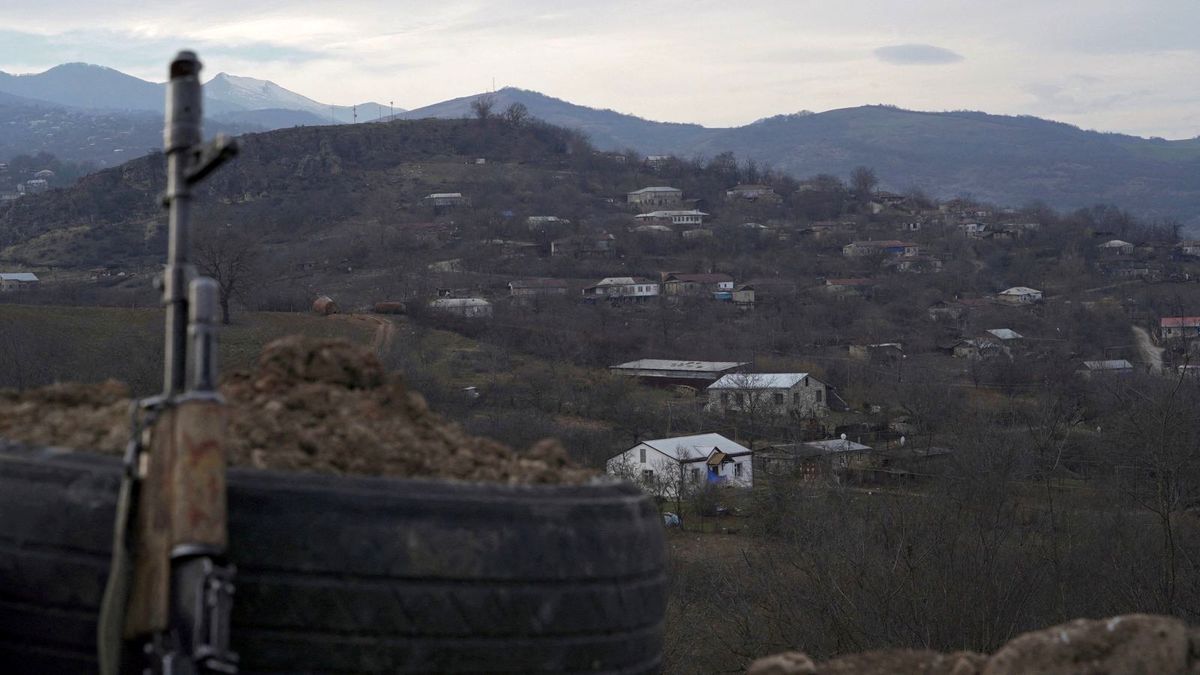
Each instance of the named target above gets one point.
<point>1151,353</point>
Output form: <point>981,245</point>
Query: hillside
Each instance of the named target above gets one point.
<point>607,129</point>
<point>1010,160</point>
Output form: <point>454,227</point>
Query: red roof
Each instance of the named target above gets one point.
<point>1179,322</point>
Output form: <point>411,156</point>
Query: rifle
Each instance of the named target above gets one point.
<point>167,604</point>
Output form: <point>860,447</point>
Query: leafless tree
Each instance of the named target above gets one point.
<point>863,181</point>
<point>483,106</point>
<point>516,114</point>
<point>231,258</point>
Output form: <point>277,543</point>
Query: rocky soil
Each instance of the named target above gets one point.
<point>1135,644</point>
<point>309,405</point>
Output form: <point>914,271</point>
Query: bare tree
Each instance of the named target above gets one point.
<point>863,181</point>
<point>516,114</point>
<point>231,258</point>
<point>483,106</point>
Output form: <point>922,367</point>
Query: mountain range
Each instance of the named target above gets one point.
<point>1004,159</point>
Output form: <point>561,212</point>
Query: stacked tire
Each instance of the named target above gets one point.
<point>356,574</point>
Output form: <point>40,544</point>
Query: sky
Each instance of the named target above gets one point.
<point>1126,66</point>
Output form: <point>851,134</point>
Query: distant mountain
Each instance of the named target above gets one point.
<point>83,85</point>
<point>1008,160</point>
<point>91,87</point>
<point>82,112</point>
<point>608,130</point>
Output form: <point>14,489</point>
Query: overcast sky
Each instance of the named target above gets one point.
<point>1114,65</point>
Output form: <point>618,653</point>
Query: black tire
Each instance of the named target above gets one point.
<point>356,575</point>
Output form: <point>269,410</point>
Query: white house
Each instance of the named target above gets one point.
<point>671,467</point>
<point>470,308</point>
<point>623,288</point>
<point>691,217</point>
<point>656,196</point>
<point>444,199</point>
<point>1020,295</point>
<point>769,393</point>
<point>1117,247</point>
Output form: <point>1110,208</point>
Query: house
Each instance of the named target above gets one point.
<point>676,283</point>
<point>444,199</point>
<point>880,352</point>
<point>1004,334</point>
<point>946,311</point>
<point>1019,295</point>
<point>1116,247</point>
<point>15,281</point>
<point>769,394</point>
<point>525,288</point>
<point>972,229</point>
<point>858,249</point>
<point>673,467</point>
<point>1190,249</point>
<point>666,372</point>
<point>33,186</point>
<point>827,460</point>
<point>509,248</point>
<point>546,222</point>
<point>657,161</point>
<point>910,226</point>
<point>585,246</point>
<point>764,289</point>
<point>655,196</point>
<point>1171,327</point>
<point>1111,367</point>
<point>751,192</point>
<point>690,217</point>
<point>615,289</point>
<point>976,349</point>
<point>470,308</point>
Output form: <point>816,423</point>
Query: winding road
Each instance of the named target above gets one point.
<point>1151,353</point>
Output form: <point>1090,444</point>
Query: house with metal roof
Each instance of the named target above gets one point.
<point>689,217</point>
<point>1106,368</point>
<point>659,195</point>
<point>769,394</point>
<point>678,283</point>
<point>13,281</point>
<point>826,460</point>
<point>668,372</point>
<point>622,289</point>
<point>1019,295</point>
<point>470,308</point>
<point>673,467</point>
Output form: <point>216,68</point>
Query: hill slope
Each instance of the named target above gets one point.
<point>607,129</point>
<point>1011,160</point>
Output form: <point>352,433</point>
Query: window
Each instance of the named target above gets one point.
<point>695,475</point>
<point>737,398</point>
<point>737,470</point>
<point>820,395</point>
<point>796,398</point>
<point>643,450</point>
<point>724,398</point>
<point>648,475</point>
<point>779,400</point>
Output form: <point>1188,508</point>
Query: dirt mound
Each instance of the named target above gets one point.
<point>1131,644</point>
<point>310,405</point>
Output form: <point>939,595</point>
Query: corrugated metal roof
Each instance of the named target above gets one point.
<point>759,381</point>
<point>659,188</point>
<point>18,276</point>
<point>1020,290</point>
<point>695,447</point>
<point>1005,333</point>
<point>1179,322</point>
<point>665,364</point>
<point>1111,364</point>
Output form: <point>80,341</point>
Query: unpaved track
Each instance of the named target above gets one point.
<point>1151,353</point>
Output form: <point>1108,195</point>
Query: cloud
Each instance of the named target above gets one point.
<point>916,55</point>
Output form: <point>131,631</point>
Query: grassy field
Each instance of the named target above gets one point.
<point>44,344</point>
